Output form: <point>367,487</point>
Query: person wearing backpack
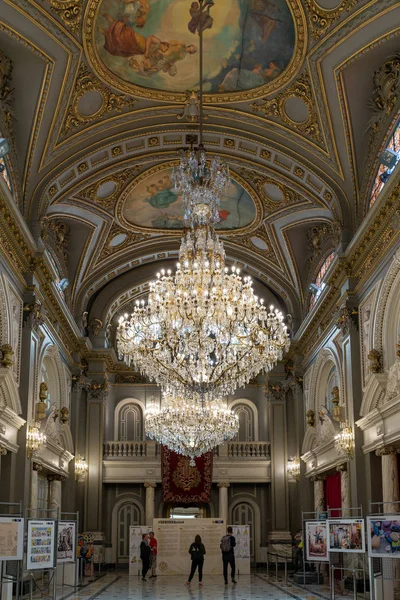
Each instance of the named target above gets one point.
<point>227,545</point>
<point>197,552</point>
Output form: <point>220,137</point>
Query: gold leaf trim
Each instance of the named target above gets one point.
<point>321,19</point>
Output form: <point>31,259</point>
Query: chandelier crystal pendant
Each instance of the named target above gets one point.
<point>190,426</point>
<point>35,439</point>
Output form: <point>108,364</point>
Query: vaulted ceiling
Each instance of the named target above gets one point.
<point>291,105</point>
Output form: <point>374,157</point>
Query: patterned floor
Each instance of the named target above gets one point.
<point>120,587</point>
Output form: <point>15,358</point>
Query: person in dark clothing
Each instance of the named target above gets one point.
<point>197,552</point>
<point>145,552</point>
<point>298,556</point>
<point>227,545</point>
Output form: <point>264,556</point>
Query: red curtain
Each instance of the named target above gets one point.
<point>183,484</point>
<point>333,494</point>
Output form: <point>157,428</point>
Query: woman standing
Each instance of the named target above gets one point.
<point>197,552</point>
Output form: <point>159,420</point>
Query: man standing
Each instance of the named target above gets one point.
<point>153,556</point>
<point>227,545</point>
<point>145,555</point>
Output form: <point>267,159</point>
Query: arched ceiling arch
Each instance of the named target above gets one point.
<point>299,143</point>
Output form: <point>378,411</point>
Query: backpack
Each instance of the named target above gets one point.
<point>226,543</point>
<point>196,552</point>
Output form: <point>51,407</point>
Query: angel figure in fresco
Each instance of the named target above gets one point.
<point>161,56</point>
<point>136,12</point>
<point>122,40</point>
<point>261,11</point>
<point>200,17</point>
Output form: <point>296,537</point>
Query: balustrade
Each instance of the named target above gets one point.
<point>248,450</point>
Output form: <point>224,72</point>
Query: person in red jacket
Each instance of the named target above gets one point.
<point>153,556</point>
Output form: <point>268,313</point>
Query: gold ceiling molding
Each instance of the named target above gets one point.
<point>131,238</point>
<point>108,77</point>
<point>275,107</point>
<point>246,241</point>
<point>289,196</point>
<point>120,179</point>
<point>321,19</point>
<point>87,82</point>
<point>69,11</point>
<point>178,232</point>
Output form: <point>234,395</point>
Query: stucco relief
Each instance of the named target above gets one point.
<point>393,384</point>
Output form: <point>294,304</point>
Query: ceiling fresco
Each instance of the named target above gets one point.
<point>155,44</point>
<point>154,203</point>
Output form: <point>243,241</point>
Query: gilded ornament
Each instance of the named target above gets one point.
<point>275,107</point>
<point>7,354</point>
<point>53,190</point>
<point>375,361</point>
<point>69,11</point>
<point>191,109</point>
<point>336,412</point>
<point>87,82</point>
<point>120,179</point>
<point>186,477</point>
<point>64,415</point>
<point>229,143</point>
<point>321,19</point>
<point>82,167</point>
<point>266,154</point>
<point>96,325</point>
<point>299,172</point>
<point>154,141</point>
<point>116,151</point>
<point>310,414</point>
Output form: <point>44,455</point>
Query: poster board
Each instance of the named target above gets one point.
<point>174,537</point>
<point>242,548</point>
<point>384,536</point>
<point>316,542</point>
<point>135,538</point>
<point>11,538</point>
<point>346,535</point>
<point>66,541</point>
<point>41,546</point>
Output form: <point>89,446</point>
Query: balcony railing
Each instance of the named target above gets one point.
<point>247,450</point>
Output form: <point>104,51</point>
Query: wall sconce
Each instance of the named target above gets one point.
<point>81,467</point>
<point>344,441</point>
<point>293,468</point>
<point>41,406</point>
<point>35,439</point>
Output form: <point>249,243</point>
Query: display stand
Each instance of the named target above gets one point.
<point>52,571</point>
<point>70,519</point>
<point>333,559</point>
<point>381,585</point>
<point>12,510</point>
<point>242,549</point>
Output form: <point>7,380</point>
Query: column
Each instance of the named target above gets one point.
<point>345,489</point>
<point>390,479</point>
<point>55,495</point>
<point>36,467</point>
<point>319,494</point>
<point>150,487</point>
<point>223,501</point>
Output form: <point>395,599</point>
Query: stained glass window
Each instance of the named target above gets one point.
<point>319,278</point>
<point>383,173</point>
<point>4,174</point>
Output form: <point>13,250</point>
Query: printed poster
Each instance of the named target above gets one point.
<point>135,538</point>
<point>66,537</point>
<point>316,545</point>
<point>384,536</point>
<point>41,545</point>
<point>346,535</point>
<point>11,538</point>
<point>242,548</point>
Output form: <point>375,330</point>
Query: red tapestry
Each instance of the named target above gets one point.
<point>183,484</point>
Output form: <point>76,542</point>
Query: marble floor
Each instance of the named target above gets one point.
<point>114,586</point>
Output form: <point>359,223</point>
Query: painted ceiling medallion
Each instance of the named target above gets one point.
<point>150,49</point>
<point>151,202</point>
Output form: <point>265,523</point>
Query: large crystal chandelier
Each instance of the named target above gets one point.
<point>190,425</point>
<point>203,329</point>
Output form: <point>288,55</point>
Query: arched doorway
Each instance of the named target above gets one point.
<point>243,514</point>
<point>128,514</point>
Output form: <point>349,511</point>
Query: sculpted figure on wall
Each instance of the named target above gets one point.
<point>393,384</point>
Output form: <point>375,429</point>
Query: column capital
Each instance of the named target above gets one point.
<point>386,450</point>
<point>150,484</point>
<point>342,468</point>
<point>56,477</point>
<point>37,466</point>
<point>318,478</point>
<point>223,484</point>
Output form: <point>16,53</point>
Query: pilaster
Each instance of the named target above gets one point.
<point>150,487</point>
<point>223,500</point>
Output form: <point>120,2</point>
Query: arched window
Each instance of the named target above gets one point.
<point>384,171</point>
<point>128,515</point>
<point>246,423</point>
<point>243,514</point>
<point>319,278</point>
<point>5,174</point>
<point>130,426</point>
